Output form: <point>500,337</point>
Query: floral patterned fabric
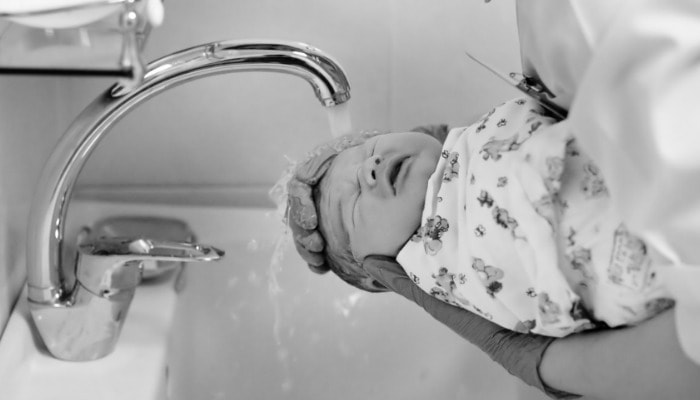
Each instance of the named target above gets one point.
<point>517,227</point>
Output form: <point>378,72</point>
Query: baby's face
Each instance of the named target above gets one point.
<point>375,191</point>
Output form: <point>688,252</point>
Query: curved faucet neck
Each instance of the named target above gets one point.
<point>48,212</point>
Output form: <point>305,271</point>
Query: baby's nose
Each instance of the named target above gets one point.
<point>370,170</point>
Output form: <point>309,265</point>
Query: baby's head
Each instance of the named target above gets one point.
<point>357,196</point>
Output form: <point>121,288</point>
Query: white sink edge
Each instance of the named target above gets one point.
<point>136,369</point>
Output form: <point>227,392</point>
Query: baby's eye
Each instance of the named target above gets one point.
<point>354,211</point>
<point>355,208</point>
<point>357,197</point>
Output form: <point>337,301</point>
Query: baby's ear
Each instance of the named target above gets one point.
<point>439,131</point>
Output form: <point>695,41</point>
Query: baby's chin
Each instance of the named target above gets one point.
<point>414,232</point>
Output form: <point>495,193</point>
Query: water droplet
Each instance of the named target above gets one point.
<point>253,278</point>
<point>287,385</point>
<point>253,245</point>
<point>234,317</point>
<point>345,306</point>
<point>232,282</point>
<point>282,354</point>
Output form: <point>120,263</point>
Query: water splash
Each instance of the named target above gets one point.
<point>275,290</point>
<point>345,306</point>
<point>339,119</point>
<point>253,246</point>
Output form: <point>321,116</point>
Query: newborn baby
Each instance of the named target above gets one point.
<point>507,219</point>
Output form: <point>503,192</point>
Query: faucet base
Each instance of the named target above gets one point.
<point>85,329</point>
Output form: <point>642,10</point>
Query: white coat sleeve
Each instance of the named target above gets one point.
<point>637,114</point>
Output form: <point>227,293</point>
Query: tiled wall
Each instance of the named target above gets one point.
<point>404,59</point>
<point>30,111</point>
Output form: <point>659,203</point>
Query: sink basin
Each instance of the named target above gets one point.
<point>247,328</point>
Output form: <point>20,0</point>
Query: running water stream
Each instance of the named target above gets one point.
<point>339,119</point>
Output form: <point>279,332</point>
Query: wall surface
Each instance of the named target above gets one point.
<point>405,60</point>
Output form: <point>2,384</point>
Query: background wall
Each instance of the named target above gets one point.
<point>404,58</point>
<point>30,111</point>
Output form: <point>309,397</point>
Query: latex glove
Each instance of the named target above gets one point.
<point>518,353</point>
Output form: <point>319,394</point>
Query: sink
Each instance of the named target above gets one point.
<point>246,328</point>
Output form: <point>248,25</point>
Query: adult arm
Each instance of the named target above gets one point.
<point>636,363</point>
<point>519,354</point>
<point>644,362</point>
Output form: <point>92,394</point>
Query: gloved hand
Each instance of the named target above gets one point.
<point>518,353</point>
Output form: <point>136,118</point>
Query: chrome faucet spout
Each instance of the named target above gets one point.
<point>50,296</point>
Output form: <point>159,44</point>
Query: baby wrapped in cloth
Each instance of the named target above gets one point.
<point>517,227</point>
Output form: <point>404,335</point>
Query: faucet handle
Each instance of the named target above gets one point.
<point>132,249</point>
<point>158,228</point>
<point>108,265</point>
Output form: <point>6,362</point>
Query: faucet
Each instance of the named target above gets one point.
<point>79,309</point>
